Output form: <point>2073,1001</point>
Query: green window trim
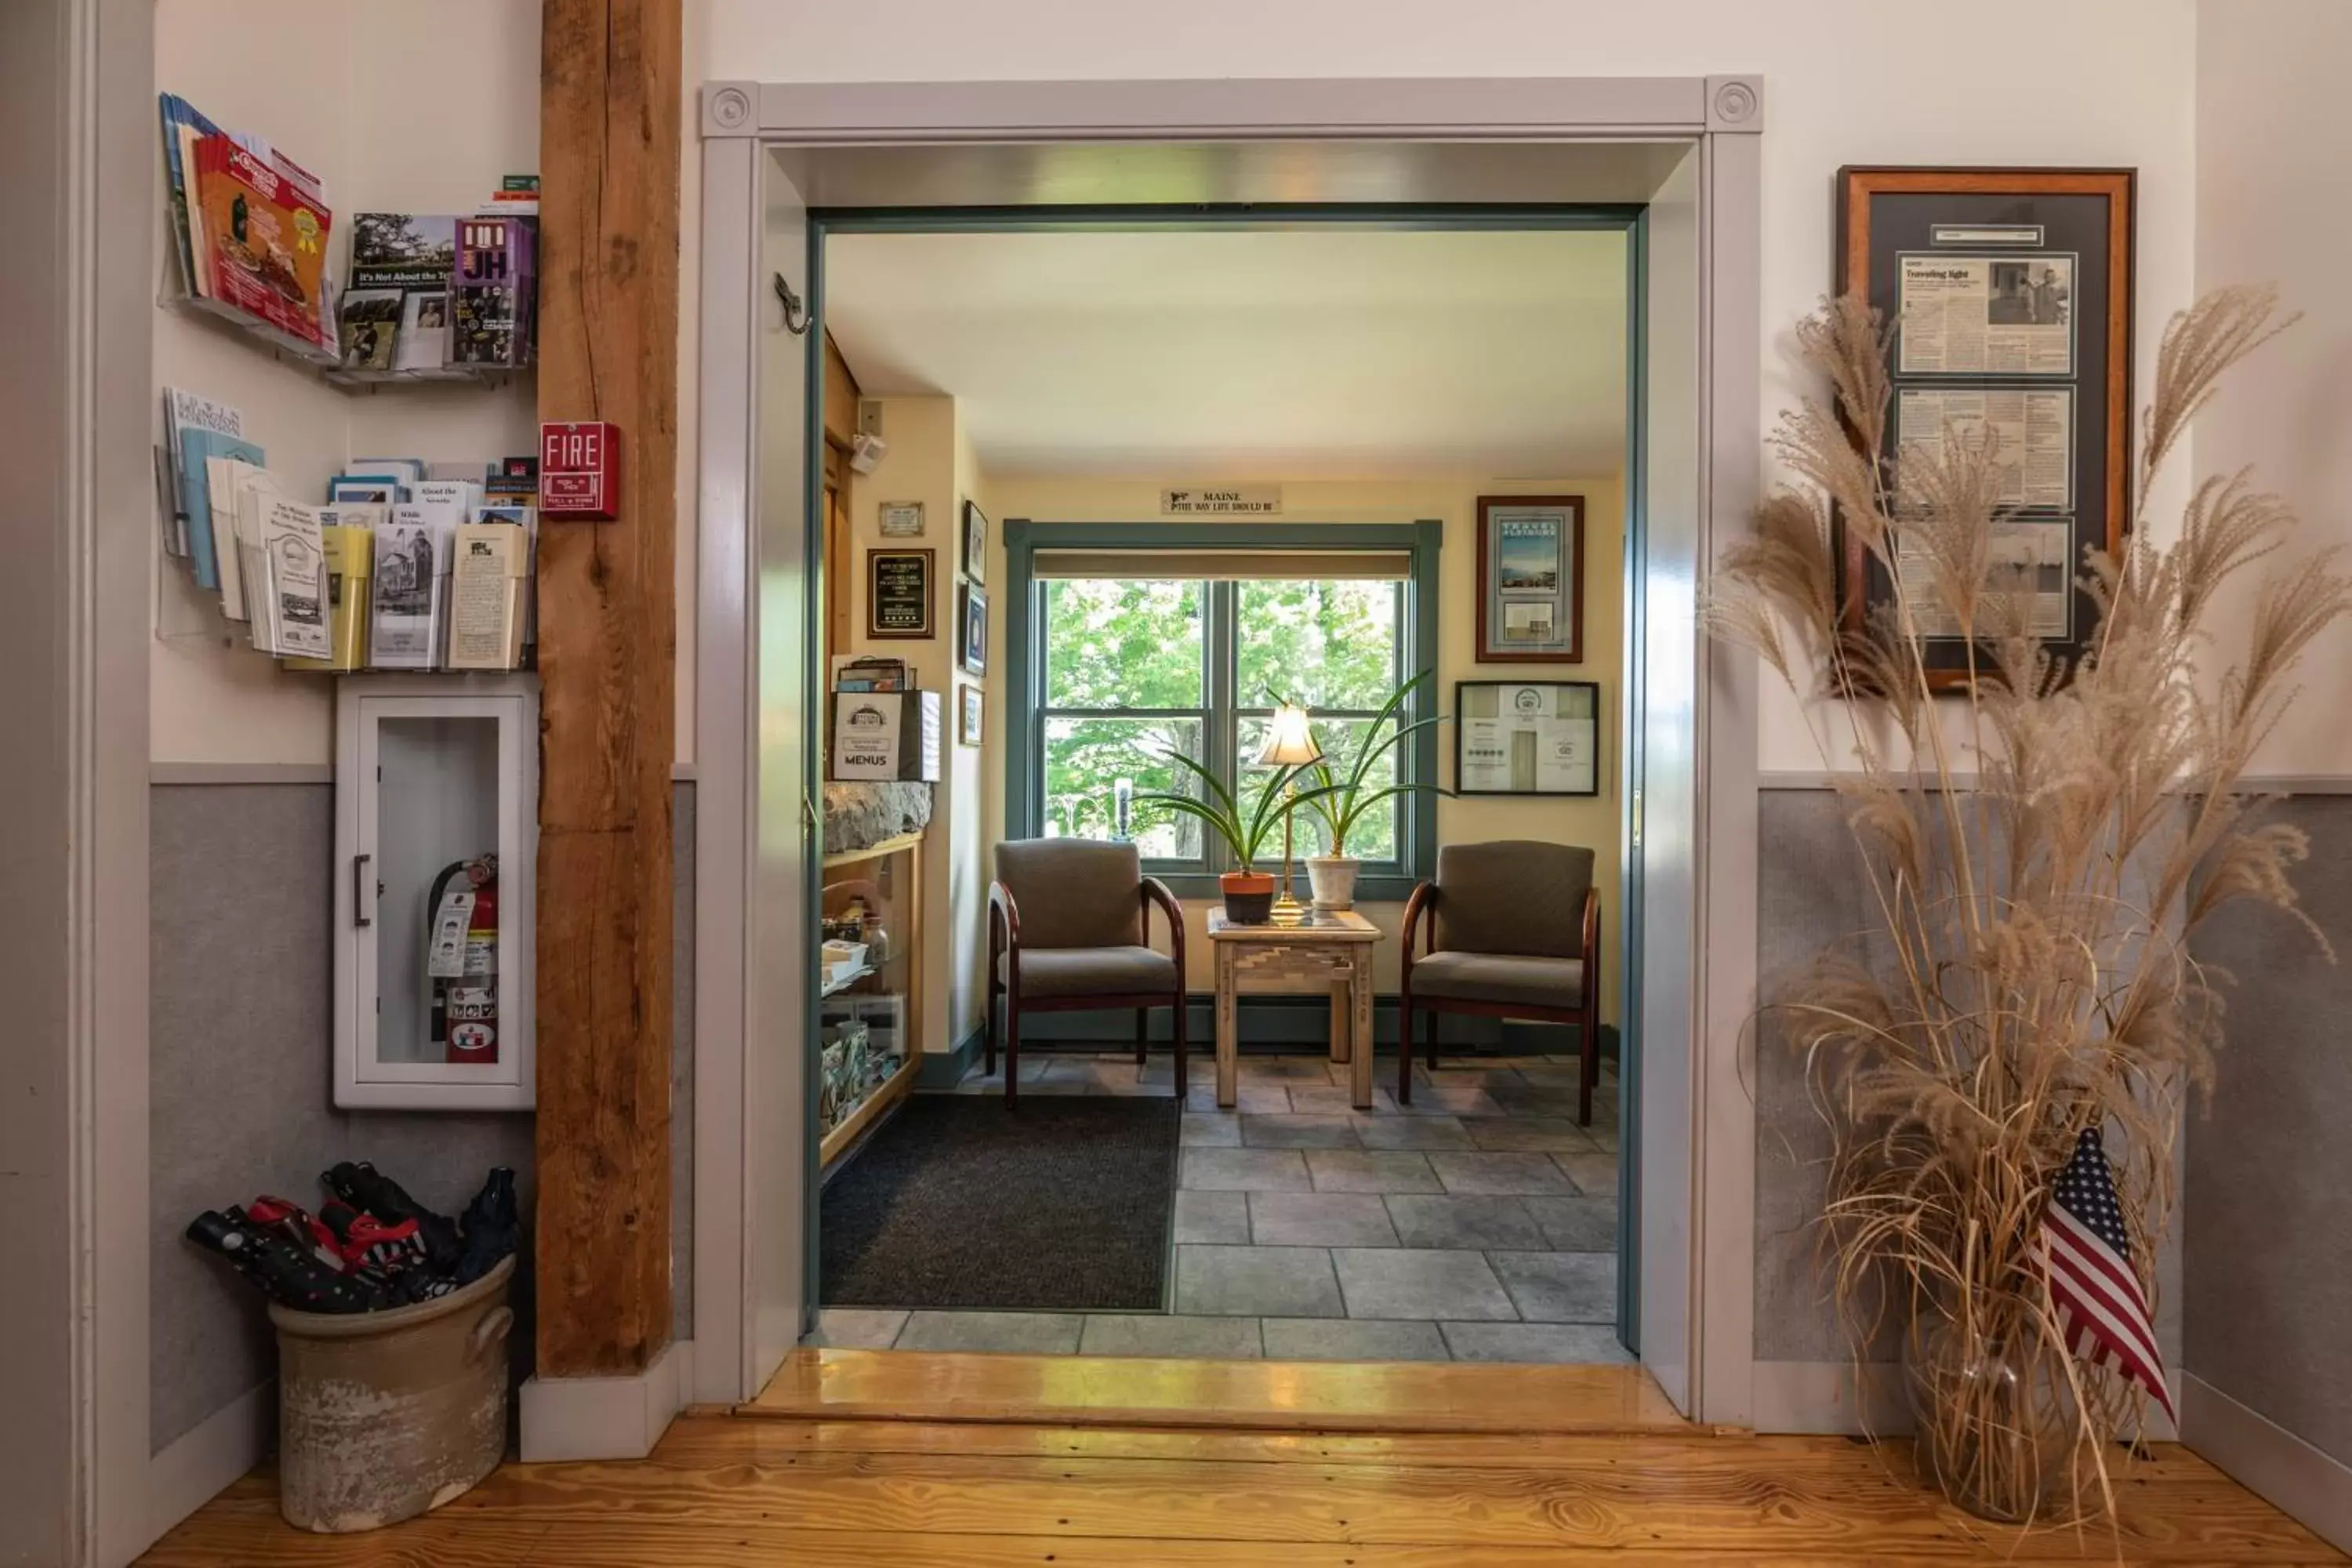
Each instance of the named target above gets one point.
<point>1382,881</point>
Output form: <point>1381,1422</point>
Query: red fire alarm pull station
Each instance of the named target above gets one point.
<point>578,471</point>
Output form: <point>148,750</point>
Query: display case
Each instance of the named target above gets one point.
<point>869,973</point>
<point>437,841</point>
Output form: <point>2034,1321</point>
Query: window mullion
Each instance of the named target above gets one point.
<point>1218,653</point>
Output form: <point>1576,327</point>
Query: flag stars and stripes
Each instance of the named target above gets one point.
<point>2085,1253</point>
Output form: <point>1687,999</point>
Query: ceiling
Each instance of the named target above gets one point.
<point>1317,352</point>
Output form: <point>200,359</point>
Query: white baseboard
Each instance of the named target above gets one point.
<point>2269,1460</point>
<point>605,1418</point>
<point>1819,1397</point>
<point>201,1462</point>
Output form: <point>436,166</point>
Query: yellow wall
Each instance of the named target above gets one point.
<point>1453,501</point>
<point>929,460</point>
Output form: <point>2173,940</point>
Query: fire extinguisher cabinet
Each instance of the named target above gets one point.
<point>436,839</point>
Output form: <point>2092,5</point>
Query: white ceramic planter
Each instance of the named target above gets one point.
<point>1332,880</point>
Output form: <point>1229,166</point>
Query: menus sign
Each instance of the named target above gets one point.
<point>898,594</point>
<point>1526,737</point>
<point>579,470</point>
<point>1228,500</point>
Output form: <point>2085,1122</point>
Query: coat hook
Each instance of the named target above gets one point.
<point>793,308</point>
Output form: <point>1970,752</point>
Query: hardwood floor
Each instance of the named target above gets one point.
<point>1325,1396</point>
<point>814,1489</point>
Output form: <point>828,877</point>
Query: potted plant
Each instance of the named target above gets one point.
<point>2010,1043</point>
<point>1249,892</point>
<point>1332,875</point>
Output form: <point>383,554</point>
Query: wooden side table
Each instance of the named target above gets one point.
<point>1335,948</point>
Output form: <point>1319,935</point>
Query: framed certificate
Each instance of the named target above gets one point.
<point>1526,737</point>
<point>1530,580</point>
<point>2009,292</point>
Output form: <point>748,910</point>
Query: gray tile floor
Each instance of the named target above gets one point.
<point>1478,1224</point>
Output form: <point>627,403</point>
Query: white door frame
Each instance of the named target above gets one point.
<point>744,122</point>
<point>78,501</point>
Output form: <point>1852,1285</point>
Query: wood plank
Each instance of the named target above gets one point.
<point>893,1090</point>
<point>1702,1495</point>
<point>876,850</point>
<point>776,1546</point>
<point>841,395</point>
<point>818,1385</point>
<point>609,151</point>
<point>727,1493</point>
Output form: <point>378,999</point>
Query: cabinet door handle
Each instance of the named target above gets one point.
<point>362,914</point>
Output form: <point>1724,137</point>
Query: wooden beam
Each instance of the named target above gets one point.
<point>609,149</point>
<point>841,395</point>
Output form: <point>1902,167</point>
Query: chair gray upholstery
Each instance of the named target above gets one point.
<point>1093,971</point>
<point>1074,892</point>
<point>1075,938</point>
<point>1498,978</point>
<point>1514,932</point>
<point>1514,897</point>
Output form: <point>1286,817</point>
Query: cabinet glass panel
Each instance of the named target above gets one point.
<point>437,932</point>
<point>868,978</point>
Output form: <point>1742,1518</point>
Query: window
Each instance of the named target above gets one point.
<point>1125,683</point>
<point>1126,653</point>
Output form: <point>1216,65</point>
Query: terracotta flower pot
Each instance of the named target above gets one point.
<point>1249,897</point>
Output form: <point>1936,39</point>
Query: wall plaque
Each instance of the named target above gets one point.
<point>1223,500</point>
<point>898,594</point>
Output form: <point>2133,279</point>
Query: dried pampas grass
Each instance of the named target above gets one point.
<point>2027,974</point>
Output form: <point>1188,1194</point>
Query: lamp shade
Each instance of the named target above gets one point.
<point>1290,743</point>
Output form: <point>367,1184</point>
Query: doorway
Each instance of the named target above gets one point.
<point>771,150</point>
<point>1359,396</point>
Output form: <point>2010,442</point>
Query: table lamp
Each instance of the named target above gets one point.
<point>1290,744</point>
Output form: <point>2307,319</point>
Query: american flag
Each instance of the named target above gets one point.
<point>2087,1255</point>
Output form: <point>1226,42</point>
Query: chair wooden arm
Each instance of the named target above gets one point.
<point>1155,891</point>
<point>1423,896</point>
<point>1591,932</point>
<point>1004,914</point>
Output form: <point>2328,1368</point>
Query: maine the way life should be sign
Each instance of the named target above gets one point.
<point>1221,501</point>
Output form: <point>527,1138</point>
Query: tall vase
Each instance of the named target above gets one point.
<point>1995,1423</point>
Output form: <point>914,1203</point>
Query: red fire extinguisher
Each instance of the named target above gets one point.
<point>463,958</point>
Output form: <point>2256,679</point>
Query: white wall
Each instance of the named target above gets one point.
<point>338,87</point>
<point>2104,82</point>
<point>930,461</point>
<point>2270,146</point>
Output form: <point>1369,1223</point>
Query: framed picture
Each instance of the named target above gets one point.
<point>898,594</point>
<point>967,729</point>
<point>2009,294</point>
<point>902,519</point>
<point>971,617</point>
<point>975,542</point>
<point>1530,580</point>
<point>1526,737</point>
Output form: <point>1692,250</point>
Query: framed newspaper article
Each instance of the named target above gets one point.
<point>1530,580</point>
<point>2009,292</point>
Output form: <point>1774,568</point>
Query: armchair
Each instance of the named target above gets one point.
<point>1070,927</point>
<point>1513,930</point>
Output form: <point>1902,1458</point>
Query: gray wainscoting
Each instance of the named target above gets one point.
<point>1812,892</point>
<point>1809,893</point>
<point>2269,1273</point>
<point>681,1063</point>
<point>242,1086</point>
